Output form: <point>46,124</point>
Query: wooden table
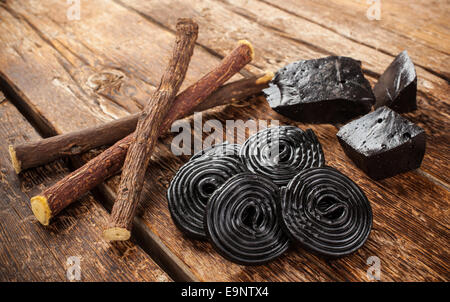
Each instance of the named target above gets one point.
<point>62,75</point>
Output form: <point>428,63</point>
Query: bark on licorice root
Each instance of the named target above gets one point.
<point>36,153</point>
<point>147,132</point>
<point>108,163</point>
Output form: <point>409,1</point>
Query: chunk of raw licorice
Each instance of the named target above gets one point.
<point>192,187</point>
<point>281,152</point>
<point>397,86</point>
<point>222,149</point>
<point>383,143</point>
<point>326,212</point>
<point>326,90</point>
<point>241,220</point>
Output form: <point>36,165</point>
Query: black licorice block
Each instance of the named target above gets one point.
<point>383,143</point>
<point>326,90</point>
<point>397,86</point>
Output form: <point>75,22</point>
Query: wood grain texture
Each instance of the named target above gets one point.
<point>293,38</point>
<point>435,160</point>
<point>40,152</point>
<point>55,198</point>
<point>98,79</point>
<point>414,18</point>
<point>410,210</point>
<point>30,252</point>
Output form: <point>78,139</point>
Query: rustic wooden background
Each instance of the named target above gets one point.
<point>60,75</point>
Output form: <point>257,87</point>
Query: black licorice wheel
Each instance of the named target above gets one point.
<point>282,152</point>
<point>242,222</point>
<point>223,149</point>
<point>326,212</point>
<point>191,188</point>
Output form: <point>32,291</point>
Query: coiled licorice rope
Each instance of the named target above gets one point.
<point>326,212</point>
<point>191,188</point>
<point>242,222</point>
<point>223,149</point>
<point>282,152</point>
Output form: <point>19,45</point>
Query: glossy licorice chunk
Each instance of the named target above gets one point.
<point>223,149</point>
<point>193,185</point>
<point>281,152</point>
<point>327,90</point>
<point>383,143</point>
<point>397,86</point>
<point>326,212</point>
<point>242,222</point>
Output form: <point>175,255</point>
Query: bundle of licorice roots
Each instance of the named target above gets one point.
<point>254,201</point>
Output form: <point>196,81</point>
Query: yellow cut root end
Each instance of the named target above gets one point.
<point>265,78</point>
<point>116,234</point>
<point>41,210</point>
<point>252,50</point>
<point>15,162</point>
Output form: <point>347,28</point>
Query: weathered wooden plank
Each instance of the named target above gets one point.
<point>30,252</point>
<point>390,240</point>
<point>277,38</point>
<point>302,39</point>
<point>348,18</point>
<point>433,164</point>
<point>153,212</point>
<point>433,110</point>
<point>166,220</point>
<point>90,74</point>
<point>395,220</point>
<point>391,235</point>
<point>423,21</point>
<point>161,11</point>
<point>430,116</point>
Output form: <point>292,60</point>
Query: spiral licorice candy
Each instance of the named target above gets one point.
<point>192,187</point>
<point>242,222</point>
<point>223,149</point>
<point>326,212</point>
<point>282,152</point>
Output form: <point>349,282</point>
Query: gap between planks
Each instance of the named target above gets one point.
<point>438,74</point>
<point>27,242</point>
<point>169,30</point>
<point>147,240</point>
<point>319,49</point>
<point>144,238</point>
<point>243,72</point>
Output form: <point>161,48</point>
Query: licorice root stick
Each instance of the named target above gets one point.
<point>54,199</point>
<point>36,153</point>
<point>136,162</point>
<point>147,132</point>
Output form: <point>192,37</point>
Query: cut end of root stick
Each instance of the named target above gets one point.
<point>41,210</point>
<point>250,46</point>
<point>188,25</point>
<point>15,162</point>
<point>116,234</point>
<point>265,78</point>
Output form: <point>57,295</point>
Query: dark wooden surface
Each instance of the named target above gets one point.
<point>66,75</point>
<point>31,252</point>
